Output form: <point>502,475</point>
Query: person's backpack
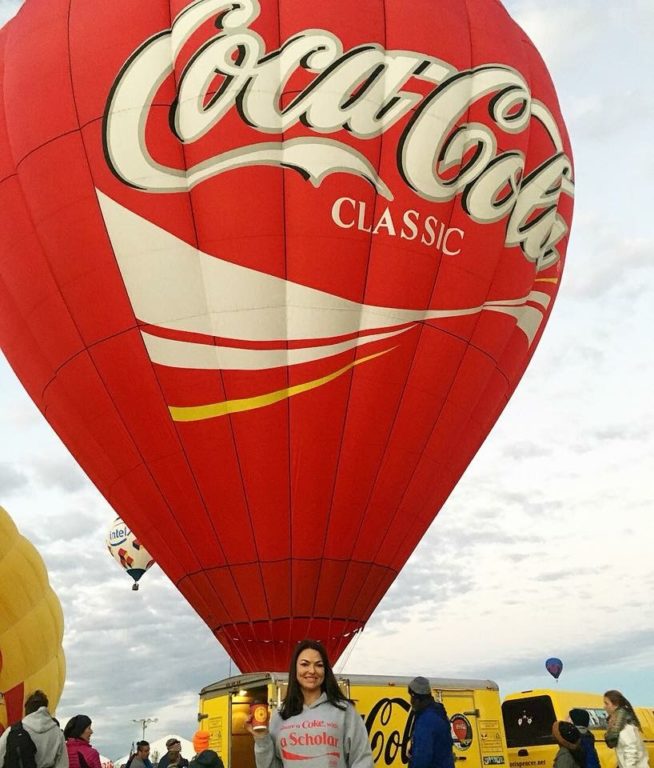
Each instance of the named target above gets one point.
<point>20,749</point>
<point>588,751</point>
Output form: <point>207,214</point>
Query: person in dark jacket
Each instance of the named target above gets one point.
<point>568,738</point>
<point>173,757</point>
<point>431,741</point>
<point>581,720</point>
<point>207,759</point>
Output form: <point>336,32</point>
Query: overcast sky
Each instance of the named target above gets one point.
<point>546,546</point>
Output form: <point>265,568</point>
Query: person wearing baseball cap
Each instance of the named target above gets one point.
<point>431,742</point>
<point>173,758</point>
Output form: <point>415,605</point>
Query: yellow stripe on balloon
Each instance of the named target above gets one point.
<point>546,280</point>
<point>213,410</point>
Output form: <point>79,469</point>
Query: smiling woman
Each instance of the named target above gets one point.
<point>315,722</point>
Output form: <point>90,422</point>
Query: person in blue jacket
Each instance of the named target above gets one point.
<point>431,742</point>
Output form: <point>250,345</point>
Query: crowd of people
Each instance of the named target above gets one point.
<point>317,725</point>
<point>624,734</point>
<point>204,758</point>
<point>38,742</point>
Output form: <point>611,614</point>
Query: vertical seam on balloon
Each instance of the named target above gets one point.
<point>335,479</point>
<point>288,405</point>
<point>420,520</point>
<point>16,174</point>
<point>87,349</point>
<point>201,571</point>
<point>516,331</point>
<point>421,329</point>
<point>176,427</point>
<point>209,516</point>
<point>362,516</point>
<point>510,385</point>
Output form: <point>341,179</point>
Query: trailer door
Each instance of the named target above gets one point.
<point>464,717</point>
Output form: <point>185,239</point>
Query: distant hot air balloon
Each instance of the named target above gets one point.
<point>554,666</point>
<point>31,626</point>
<point>272,271</point>
<point>127,551</point>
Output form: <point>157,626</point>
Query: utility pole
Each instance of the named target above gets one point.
<point>145,721</point>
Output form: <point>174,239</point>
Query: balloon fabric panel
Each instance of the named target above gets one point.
<point>272,272</point>
<point>31,625</point>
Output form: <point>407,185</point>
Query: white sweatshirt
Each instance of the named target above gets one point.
<point>321,736</point>
<point>630,749</point>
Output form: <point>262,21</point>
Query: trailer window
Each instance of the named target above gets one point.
<point>528,722</point>
<point>599,720</point>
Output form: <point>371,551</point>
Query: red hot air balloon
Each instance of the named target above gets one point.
<point>272,271</point>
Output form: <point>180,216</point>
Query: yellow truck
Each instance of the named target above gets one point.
<point>528,717</point>
<point>473,707</point>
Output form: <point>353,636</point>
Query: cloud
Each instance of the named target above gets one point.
<point>128,654</point>
<point>526,449</point>
<point>596,52</point>
<point>62,473</point>
<point>643,16</point>
<point>621,648</point>
<point>11,480</point>
<point>443,569</point>
<point>613,432</point>
<point>616,265</point>
<point>8,9</point>
<point>69,524</point>
<point>549,28</point>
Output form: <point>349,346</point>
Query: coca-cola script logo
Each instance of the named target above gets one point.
<point>388,744</point>
<point>364,90</point>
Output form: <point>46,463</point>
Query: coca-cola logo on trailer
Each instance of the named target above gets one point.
<point>364,90</point>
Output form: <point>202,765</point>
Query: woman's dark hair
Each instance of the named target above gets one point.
<point>76,726</point>
<point>294,701</point>
<point>615,697</point>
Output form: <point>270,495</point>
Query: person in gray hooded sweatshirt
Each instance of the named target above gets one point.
<point>45,732</point>
<point>315,725</point>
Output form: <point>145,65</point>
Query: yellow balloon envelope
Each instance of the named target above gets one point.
<point>31,626</point>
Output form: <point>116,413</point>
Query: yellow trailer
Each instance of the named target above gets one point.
<point>529,716</point>
<point>473,707</point>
